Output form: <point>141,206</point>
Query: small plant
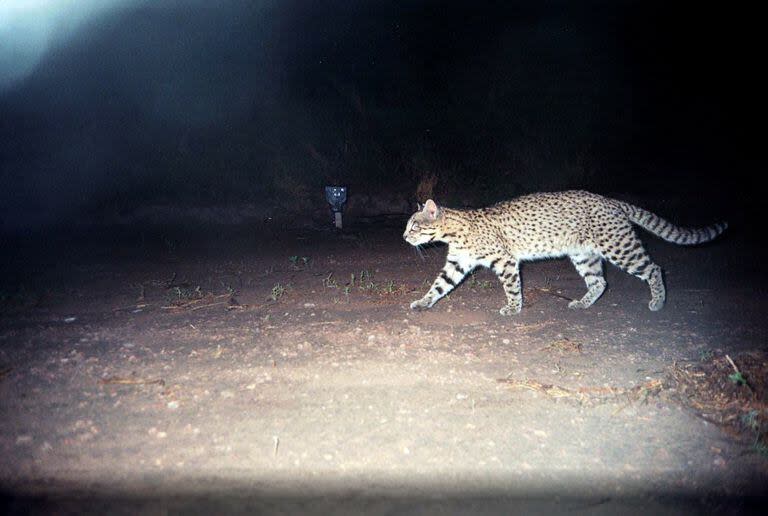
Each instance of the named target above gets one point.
<point>277,292</point>
<point>365,281</point>
<point>751,420</point>
<point>737,378</point>
<point>705,355</point>
<point>389,287</point>
<point>329,281</point>
<point>298,261</point>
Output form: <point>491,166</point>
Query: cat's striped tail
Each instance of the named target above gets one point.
<point>668,231</point>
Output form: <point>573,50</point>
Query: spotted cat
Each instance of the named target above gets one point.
<point>586,227</point>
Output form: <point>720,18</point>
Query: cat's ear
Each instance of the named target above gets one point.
<point>432,209</point>
<point>419,206</point>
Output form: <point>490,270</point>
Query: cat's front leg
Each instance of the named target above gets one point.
<point>452,274</point>
<point>508,271</point>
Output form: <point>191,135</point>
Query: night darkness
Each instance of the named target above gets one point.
<point>105,109</point>
<point>182,328</point>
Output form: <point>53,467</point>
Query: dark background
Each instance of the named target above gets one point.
<point>225,103</point>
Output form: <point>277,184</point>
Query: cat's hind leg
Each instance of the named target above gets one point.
<point>632,257</point>
<point>590,267</point>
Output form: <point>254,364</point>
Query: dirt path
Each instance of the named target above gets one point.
<point>288,374</point>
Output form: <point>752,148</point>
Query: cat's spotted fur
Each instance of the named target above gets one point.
<point>586,227</point>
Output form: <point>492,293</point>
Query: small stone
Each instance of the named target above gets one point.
<point>173,405</point>
<point>23,439</point>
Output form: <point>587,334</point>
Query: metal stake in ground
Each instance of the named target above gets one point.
<point>336,197</point>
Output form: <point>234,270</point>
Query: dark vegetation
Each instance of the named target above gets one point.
<point>266,104</point>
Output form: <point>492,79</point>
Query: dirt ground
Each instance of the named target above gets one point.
<point>269,371</point>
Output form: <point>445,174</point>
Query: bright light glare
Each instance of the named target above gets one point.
<point>29,28</point>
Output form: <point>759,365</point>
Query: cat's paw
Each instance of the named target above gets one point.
<point>420,304</point>
<point>656,304</point>
<point>509,310</point>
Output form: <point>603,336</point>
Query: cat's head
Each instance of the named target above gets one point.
<point>424,225</point>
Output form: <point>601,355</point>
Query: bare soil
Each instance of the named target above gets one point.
<point>273,371</point>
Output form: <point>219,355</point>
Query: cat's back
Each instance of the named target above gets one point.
<point>570,204</point>
<point>548,222</point>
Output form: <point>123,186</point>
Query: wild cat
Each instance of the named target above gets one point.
<point>586,227</point>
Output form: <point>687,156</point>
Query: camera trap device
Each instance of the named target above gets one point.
<point>336,197</point>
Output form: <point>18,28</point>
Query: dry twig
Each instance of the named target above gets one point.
<point>117,380</point>
<point>586,393</point>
